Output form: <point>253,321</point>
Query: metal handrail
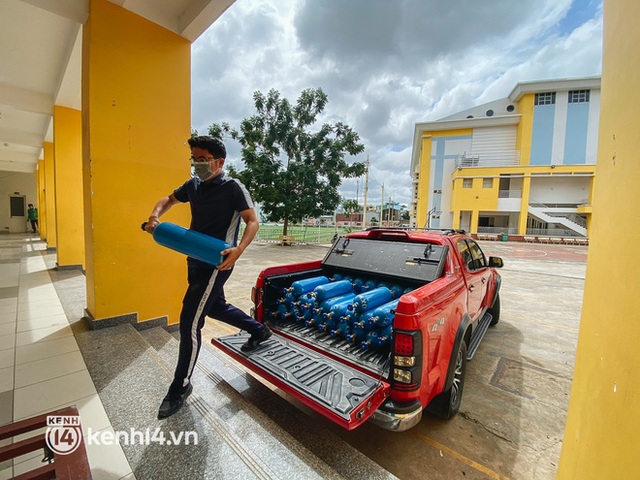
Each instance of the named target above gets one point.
<point>494,159</point>
<point>571,216</point>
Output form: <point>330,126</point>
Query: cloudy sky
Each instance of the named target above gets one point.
<point>387,64</point>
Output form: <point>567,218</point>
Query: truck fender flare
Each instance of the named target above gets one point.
<point>460,335</point>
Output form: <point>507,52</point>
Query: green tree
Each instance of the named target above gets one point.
<point>351,206</point>
<point>292,167</point>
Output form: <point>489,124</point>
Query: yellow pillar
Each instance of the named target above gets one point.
<point>475,216</point>
<point>67,146</point>
<point>136,119</point>
<point>524,205</point>
<point>40,194</point>
<point>423,183</point>
<point>601,434</point>
<point>49,195</point>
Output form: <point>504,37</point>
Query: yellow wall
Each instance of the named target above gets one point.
<point>525,128</point>
<point>601,435</point>
<point>67,145</point>
<point>49,195</point>
<point>136,120</point>
<point>425,166</point>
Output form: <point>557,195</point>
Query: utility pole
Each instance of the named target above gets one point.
<point>382,205</point>
<point>366,189</point>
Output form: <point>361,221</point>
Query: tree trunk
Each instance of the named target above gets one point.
<point>286,225</point>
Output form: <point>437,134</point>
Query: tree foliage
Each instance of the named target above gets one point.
<point>293,167</point>
<point>351,206</point>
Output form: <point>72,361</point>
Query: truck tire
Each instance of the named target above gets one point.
<point>495,311</point>
<point>446,404</point>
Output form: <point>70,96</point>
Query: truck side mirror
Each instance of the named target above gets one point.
<point>496,262</point>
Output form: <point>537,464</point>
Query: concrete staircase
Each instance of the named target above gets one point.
<point>244,429</point>
<point>542,214</point>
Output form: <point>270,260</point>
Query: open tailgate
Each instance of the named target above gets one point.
<point>337,391</point>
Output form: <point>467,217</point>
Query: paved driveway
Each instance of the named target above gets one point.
<point>517,388</point>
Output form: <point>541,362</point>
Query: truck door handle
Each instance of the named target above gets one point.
<point>472,288</point>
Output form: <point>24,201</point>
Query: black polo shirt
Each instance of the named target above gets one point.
<point>215,205</point>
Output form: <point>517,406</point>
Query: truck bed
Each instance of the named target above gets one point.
<point>375,361</point>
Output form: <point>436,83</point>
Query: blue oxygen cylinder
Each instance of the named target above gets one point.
<point>343,328</point>
<point>307,285</point>
<point>323,292</point>
<point>368,300</point>
<point>357,284</point>
<point>283,311</point>
<point>360,323</point>
<point>377,338</point>
<point>369,319</point>
<point>383,315</point>
<point>327,324</point>
<point>339,309</point>
<point>194,244</point>
<point>287,298</point>
<point>307,309</point>
<point>371,340</point>
<point>315,321</point>
<point>396,290</point>
<point>385,336</point>
<point>330,302</point>
<point>369,285</point>
<point>357,335</point>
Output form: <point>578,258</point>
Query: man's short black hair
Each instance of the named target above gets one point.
<point>212,145</point>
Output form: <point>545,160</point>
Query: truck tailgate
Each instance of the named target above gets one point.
<point>337,391</point>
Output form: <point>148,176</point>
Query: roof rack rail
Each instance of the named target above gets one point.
<point>444,231</point>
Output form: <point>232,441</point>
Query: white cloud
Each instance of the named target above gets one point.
<point>386,65</point>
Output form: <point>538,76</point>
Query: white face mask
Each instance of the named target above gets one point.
<point>203,170</point>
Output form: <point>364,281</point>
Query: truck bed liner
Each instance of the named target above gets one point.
<point>374,360</point>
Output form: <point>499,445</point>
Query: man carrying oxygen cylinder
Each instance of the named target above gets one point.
<point>217,204</point>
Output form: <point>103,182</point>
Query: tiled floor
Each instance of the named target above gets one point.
<point>41,367</point>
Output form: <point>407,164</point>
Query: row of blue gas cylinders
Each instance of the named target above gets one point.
<point>358,310</point>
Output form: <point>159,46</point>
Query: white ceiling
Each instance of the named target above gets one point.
<point>40,63</point>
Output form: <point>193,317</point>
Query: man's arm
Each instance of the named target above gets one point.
<point>251,220</point>
<point>162,207</point>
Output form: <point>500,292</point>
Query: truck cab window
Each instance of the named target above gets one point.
<point>479,259</point>
<point>467,258</point>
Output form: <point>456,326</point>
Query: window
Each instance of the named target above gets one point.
<point>548,98</point>
<point>471,254</point>
<point>479,261</point>
<point>467,183</point>
<point>487,183</point>
<point>579,96</point>
<point>463,248</point>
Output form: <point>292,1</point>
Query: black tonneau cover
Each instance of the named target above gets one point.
<point>402,260</point>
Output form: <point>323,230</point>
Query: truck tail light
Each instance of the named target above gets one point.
<point>407,360</point>
<point>403,344</point>
<point>402,376</point>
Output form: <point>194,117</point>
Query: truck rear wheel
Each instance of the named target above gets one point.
<point>495,311</point>
<point>446,404</point>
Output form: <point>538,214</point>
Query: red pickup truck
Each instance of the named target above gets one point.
<point>379,329</point>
